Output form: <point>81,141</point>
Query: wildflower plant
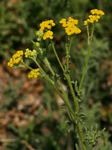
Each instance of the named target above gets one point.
<point>73,93</point>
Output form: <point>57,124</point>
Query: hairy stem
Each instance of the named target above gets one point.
<point>68,53</point>
<point>80,133</point>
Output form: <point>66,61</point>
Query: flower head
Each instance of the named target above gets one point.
<point>46,27</point>
<point>30,53</point>
<point>48,24</point>
<point>16,58</point>
<point>97,12</point>
<point>70,26</point>
<point>34,73</point>
<point>63,22</point>
<point>72,21</point>
<point>48,35</point>
<point>72,30</point>
<point>94,17</point>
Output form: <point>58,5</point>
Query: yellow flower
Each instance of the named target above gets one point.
<point>51,22</point>
<point>45,27</point>
<point>72,30</point>
<point>73,21</point>
<point>48,24</point>
<point>30,53</point>
<point>97,12</point>
<point>92,19</point>
<point>70,26</point>
<point>48,35</point>
<point>34,73</point>
<point>63,22</point>
<point>96,15</point>
<point>16,58</point>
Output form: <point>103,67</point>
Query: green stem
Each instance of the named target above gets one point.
<point>63,94</point>
<point>92,32</point>
<point>68,53</point>
<point>67,77</point>
<point>41,69</point>
<point>65,98</point>
<point>27,66</point>
<point>49,66</point>
<point>73,93</point>
<point>85,68</point>
<point>88,34</point>
<point>57,56</point>
<point>80,133</point>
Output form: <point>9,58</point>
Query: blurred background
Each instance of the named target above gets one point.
<point>30,111</point>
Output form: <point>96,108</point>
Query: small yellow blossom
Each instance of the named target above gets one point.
<point>48,35</point>
<point>73,21</point>
<point>51,22</point>
<point>74,30</point>
<point>48,24</point>
<point>63,22</point>
<point>70,26</point>
<point>94,17</point>
<point>46,27</point>
<point>34,73</point>
<point>16,58</point>
<point>30,53</point>
<point>97,12</point>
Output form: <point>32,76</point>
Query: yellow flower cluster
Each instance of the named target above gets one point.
<point>48,35</point>
<point>16,58</point>
<point>34,73</point>
<point>46,27</point>
<point>96,14</point>
<point>30,53</point>
<point>48,24</point>
<point>70,26</point>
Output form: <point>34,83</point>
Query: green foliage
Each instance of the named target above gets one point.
<point>18,22</point>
